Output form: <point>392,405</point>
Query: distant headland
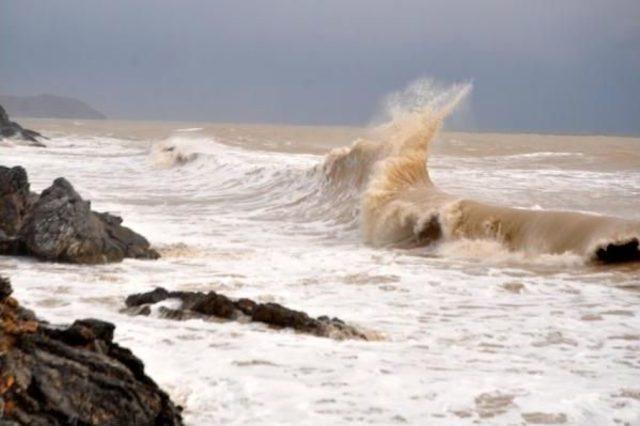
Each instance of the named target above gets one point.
<point>49,106</point>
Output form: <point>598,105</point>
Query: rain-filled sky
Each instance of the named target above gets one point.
<point>544,65</point>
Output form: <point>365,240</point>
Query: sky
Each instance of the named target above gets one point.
<point>564,66</point>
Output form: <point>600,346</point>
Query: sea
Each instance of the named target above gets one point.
<point>475,259</point>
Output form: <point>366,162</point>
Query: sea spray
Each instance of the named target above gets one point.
<point>381,186</point>
<point>400,204</point>
<point>470,324</point>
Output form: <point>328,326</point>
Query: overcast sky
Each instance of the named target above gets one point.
<point>536,65</point>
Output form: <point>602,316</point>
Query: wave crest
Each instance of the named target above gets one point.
<point>381,186</point>
<point>401,206</point>
<point>176,151</point>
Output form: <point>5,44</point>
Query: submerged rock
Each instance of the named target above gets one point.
<point>215,305</point>
<point>59,225</point>
<point>74,375</point>
<point>11,129</point>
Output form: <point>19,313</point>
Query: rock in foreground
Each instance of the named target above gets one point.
<point>11,129</point>
<point>72,375</point>
<point>59,225</point>
<point>214,305</point>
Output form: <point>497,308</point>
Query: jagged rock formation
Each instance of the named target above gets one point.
<point>214,305</point>
<point>72,375</point>
<point>59,225</point>
<point>11,129</point>
<point>15,199</point>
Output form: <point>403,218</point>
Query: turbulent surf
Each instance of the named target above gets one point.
<point>479,257</point>
<point>400,204</point>
<point>381,185</point>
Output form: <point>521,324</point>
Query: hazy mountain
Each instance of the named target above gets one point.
<point>48,106</point>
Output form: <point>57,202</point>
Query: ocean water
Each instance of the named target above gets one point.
<point>476,328</point>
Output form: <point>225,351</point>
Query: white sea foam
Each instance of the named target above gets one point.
<point>475,333</point>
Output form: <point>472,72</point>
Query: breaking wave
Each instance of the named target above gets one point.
<point>380,187</point>
<point>175,151</point>
<point>401,206</point>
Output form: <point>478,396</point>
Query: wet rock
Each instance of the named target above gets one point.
<point>279,316</point>
<point>5,288</point>
<point>11,129</point>
<point>60,226</point>
<point>217,306</point>
<point>83,332</point>
<point>246,306</point>
<point>625,251</point>
<point>72,375</point>
<point>15,200</point>
<point>151,297</point>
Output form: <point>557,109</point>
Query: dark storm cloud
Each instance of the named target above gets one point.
<point>569,65</point>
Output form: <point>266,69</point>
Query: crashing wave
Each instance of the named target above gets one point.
<point>381,186</point>
<point>175,151</point>
<point>401,206</point>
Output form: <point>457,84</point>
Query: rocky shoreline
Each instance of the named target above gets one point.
<point>52,375</point>
<point>58,225</point>
<point>11,129</point>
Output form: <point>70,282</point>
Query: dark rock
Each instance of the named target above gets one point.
<point>247,306</point>
<point>13,180</point>
<point>83,332</point>
<point>5,288</point>
<point>60,226</point>
<point>279,316</point>
<point>217,306</point>
<point>11,246</point>
<point>11,129</point>
<point>73,375</point>
<point>15,200</point>
<point>626,251</point>
<point>4,117</point>
<point>155,296</point>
